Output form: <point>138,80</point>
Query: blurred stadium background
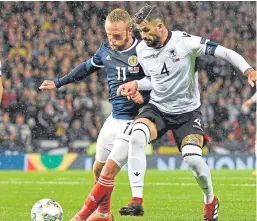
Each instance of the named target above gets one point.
<point>57,130</point>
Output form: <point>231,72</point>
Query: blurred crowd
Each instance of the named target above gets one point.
<point>46,40</point>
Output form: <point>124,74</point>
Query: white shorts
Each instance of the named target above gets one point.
<point>113,141</point>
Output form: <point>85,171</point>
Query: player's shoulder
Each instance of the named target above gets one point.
<point>141,46</point>
<point>180,35</point>
<point>105,46</point>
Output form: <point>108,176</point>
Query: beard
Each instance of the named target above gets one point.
<point>154,43</point>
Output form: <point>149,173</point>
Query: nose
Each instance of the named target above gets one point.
<point>112,41</point>
<point>143,35</point>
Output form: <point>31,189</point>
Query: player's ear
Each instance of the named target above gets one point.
<point>130,29</point>
<point>160,26</point>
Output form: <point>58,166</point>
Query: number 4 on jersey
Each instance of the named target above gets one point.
<point>164,69</point>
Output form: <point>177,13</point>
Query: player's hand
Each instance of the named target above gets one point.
<point>137,98</point>
<point>47,85</point>
<point>251,74</point>
<point>127,89</point>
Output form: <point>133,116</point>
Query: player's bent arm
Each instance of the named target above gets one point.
<point>1,89</point>
<point>233,57</point>
<point>144,84</point>
<point>77,74</point>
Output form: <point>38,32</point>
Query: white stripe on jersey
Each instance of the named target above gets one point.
<point>172,72</point>
<point>94,64</point>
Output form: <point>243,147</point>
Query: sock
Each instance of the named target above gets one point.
<point>136,158</point>
<point>105,205</point>
<point>193,157</point>
<point>102,189</point>
<point>137,191</point>
<point>137,199</point>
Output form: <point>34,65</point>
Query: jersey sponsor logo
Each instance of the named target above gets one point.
<point>133,69</point>
<point>108,58</point>
<point>203,40</point>
<point>132,60</point>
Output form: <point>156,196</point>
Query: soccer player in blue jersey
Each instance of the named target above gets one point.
<point>119,60</point>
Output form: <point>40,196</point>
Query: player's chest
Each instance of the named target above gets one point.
<point>121,67</point>
<point>170,61</point>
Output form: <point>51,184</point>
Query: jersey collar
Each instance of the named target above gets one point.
<point>132,46</point>
<point>167,39</point>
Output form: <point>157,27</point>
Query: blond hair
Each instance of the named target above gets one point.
<point>119,15</point>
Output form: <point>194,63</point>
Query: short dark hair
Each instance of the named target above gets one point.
<point>148,13</point>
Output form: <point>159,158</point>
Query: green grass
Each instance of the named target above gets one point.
<point>169,195</point>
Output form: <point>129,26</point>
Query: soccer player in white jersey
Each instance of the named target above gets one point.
<point>168,59</point>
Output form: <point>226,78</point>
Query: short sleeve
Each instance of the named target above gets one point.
<point>96,60</point>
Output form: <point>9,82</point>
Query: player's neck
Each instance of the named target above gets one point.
<point>165,37</point>
<point>129,43</point>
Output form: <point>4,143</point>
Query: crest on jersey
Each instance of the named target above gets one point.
<point>173,54</point>
<point>132,60</point>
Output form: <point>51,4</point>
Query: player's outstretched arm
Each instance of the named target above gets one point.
<point>77,74</point>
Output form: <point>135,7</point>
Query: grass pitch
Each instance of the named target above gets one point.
<point>168,195</point>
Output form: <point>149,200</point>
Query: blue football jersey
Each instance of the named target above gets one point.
<point>120,67</point>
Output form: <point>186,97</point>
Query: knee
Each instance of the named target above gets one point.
<point>192,156</point>
<point>147,126</point>
<point>191,161</point>
<point>134,138</point>
<point>141,133</point>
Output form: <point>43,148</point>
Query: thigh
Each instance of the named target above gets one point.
<point>112,130</point>
<point>192,126</point>
<point>106,139</point>
<point>152,113</point>
<point>119,153</point>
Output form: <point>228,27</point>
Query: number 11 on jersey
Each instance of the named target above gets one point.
<point>123,69</point>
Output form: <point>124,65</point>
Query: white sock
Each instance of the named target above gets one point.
<point>193,157</point>
<point>136,158</point>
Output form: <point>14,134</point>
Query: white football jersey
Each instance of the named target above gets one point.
<point>172,71</point>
